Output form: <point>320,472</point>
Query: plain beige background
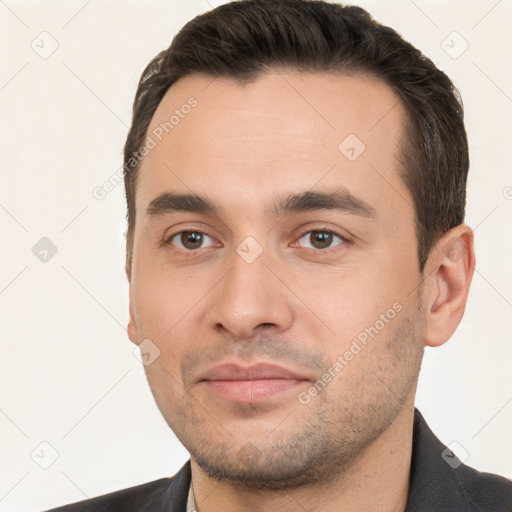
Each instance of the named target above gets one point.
<point>68,374</point>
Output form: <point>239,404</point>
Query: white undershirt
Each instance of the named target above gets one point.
<point>191,502</point>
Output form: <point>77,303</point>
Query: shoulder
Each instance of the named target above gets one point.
<point>493,492</point>
<point>164,494</point>
<point>441,482</point>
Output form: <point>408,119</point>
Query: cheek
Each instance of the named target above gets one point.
<point>165,384</point>
<point>157,321</point>
<point>160,309</point>
<point>346,300</point>
<point>365,308</point>
<point>163,299</point>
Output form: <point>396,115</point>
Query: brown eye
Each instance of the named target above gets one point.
<point>190,240</point>
<point>320,239</point>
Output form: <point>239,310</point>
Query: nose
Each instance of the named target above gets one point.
<point>252,297</point>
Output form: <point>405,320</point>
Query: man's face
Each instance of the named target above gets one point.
<point>285,304</point>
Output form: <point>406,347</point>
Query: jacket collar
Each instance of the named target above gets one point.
<point>177,493</point>
<point>437,475</point>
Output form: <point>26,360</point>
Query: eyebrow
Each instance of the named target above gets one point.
<point>340,199</point>
<point>170,202</point>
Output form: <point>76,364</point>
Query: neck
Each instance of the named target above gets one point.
<point>377,481</point>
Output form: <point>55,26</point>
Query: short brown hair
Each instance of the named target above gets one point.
<point>242,39</point>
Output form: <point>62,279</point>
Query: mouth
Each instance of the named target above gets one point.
<point>250,384</point>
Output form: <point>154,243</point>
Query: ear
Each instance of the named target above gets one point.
<point>132,325</point>
<point>449,271</point>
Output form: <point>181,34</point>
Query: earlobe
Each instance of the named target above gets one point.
<point>449,273</point>
<point>132,326</point>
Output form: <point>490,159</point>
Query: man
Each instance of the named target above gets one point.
<point>295,177</point>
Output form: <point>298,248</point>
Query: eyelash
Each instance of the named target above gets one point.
<point>344,240</point>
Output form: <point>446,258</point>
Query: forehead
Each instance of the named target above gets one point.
<point>283,130</point>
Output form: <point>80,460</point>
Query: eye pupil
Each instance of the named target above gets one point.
<point>191,239</point>
<point>321,239</point>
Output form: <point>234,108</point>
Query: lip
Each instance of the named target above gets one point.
<point>250,384</point>
<point>258,371</point>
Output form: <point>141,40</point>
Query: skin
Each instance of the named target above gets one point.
<point>299,304</point>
